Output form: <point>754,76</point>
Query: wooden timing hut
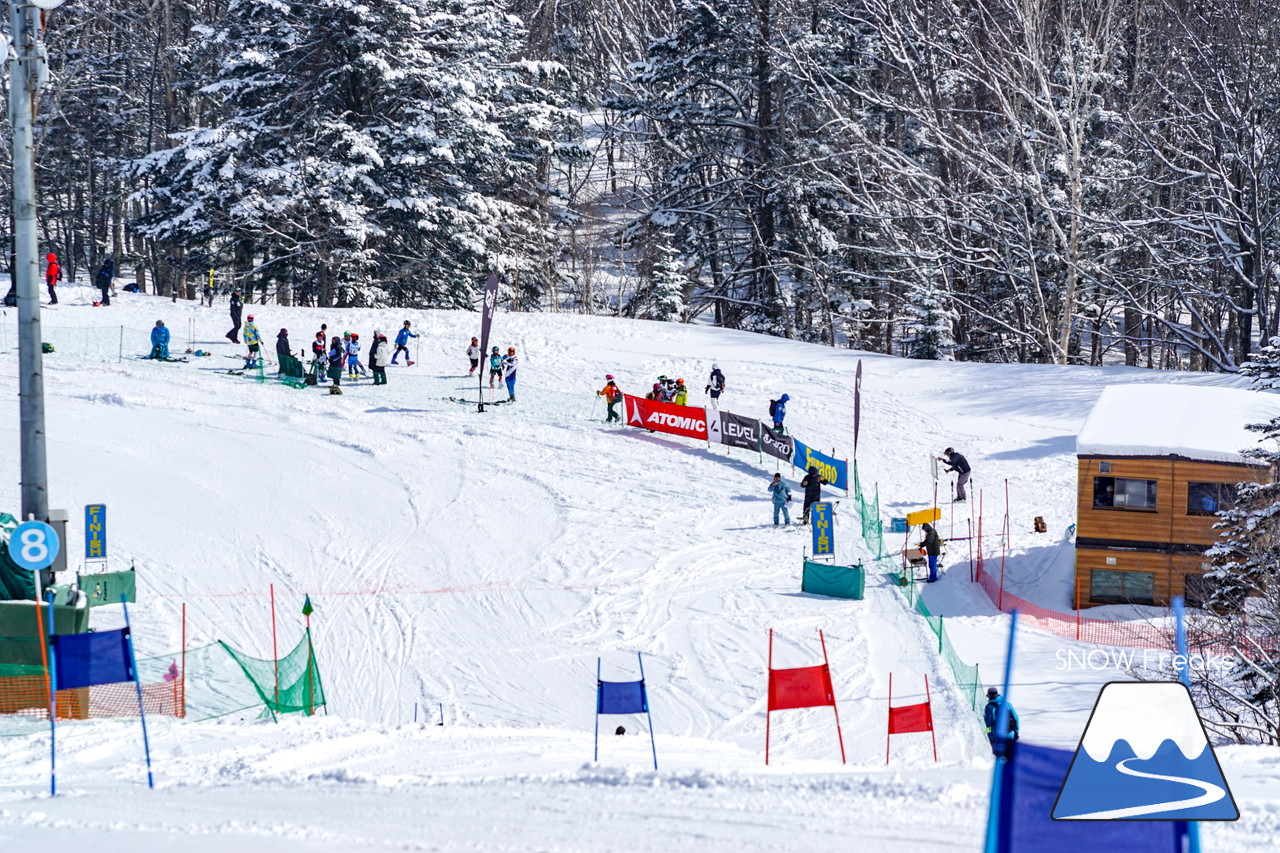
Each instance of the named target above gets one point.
<point>1156,462</point>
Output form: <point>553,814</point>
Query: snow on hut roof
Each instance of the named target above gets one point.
<point>1192,421</point>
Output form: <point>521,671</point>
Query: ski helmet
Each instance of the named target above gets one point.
<point>355,336</point>
<point>511,350</point>
<point>948,452</point>
<point>608,377</point>
<point>715,366</point>
<point>495,349</point>
<point>159,323</point>
<point>250,318</point>
<point>657,386</point>
<point>992,693</point>
<point>679,381</point>
<point>406,323</point>
<point>475,340</point>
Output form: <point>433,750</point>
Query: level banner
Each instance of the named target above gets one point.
<point>739,431</point>
<point>687,421</point>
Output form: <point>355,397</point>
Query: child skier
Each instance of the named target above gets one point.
<point>495,366</point>
<point>354,367</point>
<point>402,343</point>
<point>336,355</point>
<point>473,353</point>
<point>682,393</point>
<point>254,341</point>
<point>160,342</point>
<point>715,386</point>
<point>319,357</point>
<point>378,358</point>
<point>509,373</point>
<point>613,396</point>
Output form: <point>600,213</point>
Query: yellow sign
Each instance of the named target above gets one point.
<point>923,516</point>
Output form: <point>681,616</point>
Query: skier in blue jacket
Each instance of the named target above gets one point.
<point>402,343</point>
<point>991,713</point>
<point>781,494</point>
<point>160,341</point>
<point>778,410</point>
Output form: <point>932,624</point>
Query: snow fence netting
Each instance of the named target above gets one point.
<point>289,684</point>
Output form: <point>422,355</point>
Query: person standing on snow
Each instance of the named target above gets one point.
<point>160,341</point>
<point>778,411</point>
<point>495,366</point>
<point>613,396</point>
<point>932,546</point>
<point>682,393</point>
<point>991,715</point>
<point>655,394</point>
<point>237,305</point>
<point>282,348</point>
<point>337,355</point>
<point>813,484</point>
<point>52,275</point>
<point>354,367</point>
<point>509,373</point>
<point>106,275</point>
<point>958,464</point>
<point>715,386</point>
<point>781,495</point>
<point>402,343</point>
<point>378,358</point>
<point>473,353</point>
<point>253,339</point>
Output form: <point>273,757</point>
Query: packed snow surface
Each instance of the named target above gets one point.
<point>468,569</point>
<point>1194,422</point>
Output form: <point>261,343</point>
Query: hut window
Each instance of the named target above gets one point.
<point>1209,498</point>
<point>1199,589</point>
<point>1132,587</point>
<point>1123,493</point>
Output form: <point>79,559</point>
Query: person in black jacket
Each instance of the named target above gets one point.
<point>957,463</point>
<point>283,348</point>
<point>237,305</point>
<point>337,355</point>
<point>106,274</point>
<point>932,546</point>
<point>812,491</point>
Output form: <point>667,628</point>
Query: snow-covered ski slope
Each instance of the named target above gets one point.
<point>479,563</point>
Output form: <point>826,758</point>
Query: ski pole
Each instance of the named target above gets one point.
<point>594,400</point>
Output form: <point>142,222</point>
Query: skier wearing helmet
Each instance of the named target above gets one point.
<point>254,341</point>
<point>613,396</point>
<point>402,343</point>
<point>495,366</point>
<point>354,367</point>
<point>682,393</point>
<point>509,373</point>
<point>473,353</point>
<point>715,386</point>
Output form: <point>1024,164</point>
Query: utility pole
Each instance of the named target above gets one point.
<point>27,71</point>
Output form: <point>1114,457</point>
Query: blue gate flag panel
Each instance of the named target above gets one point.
<point>1028,789</point>
<point>83,660</point>
<point>621,697</point>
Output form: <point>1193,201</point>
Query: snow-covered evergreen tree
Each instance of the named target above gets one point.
<point>928,320</point>
<point>667,286</point>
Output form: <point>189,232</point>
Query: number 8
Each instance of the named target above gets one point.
<point>34,548</point>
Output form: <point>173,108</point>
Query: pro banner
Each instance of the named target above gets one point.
<point>834,471</point>
<point>739,431</point>
<point>688,421</point>
<point>777,444</point>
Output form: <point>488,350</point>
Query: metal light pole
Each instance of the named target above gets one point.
<point>25,78</point>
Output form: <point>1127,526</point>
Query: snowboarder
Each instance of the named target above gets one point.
<point>402,343</point>
<point>682,393</point>
<point>991,713</point>
<point>715,386</point>
<point>932,546</point>
<point>473,353</point>
<point>378,358</point>
<point>253,339</point>
<point>160,341</point>
<point>283,350</point>
<point>813,484</point>
<point>509,373</point>
<point>957,463</point>
<point>781,496</point>
<point>106,275</point>
<point>613,396</point>
<point>354,367</point>
<point>337,354</point>
<point>778,411</point>
<point>495,366</point>
<point>237,305</point>
<point>52,275</point>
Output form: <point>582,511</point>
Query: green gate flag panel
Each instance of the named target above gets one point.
<point>107,587</point>
<point>835,581</point>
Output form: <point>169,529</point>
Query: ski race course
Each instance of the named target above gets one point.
<point>473,566</point>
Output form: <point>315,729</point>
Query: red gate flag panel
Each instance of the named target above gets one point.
<point>687,421</point>
<point>910,718</point>
<point>803,687</point>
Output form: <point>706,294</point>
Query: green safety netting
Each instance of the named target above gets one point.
<point>289,684</point>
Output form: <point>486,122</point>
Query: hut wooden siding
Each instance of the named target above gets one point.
<point>1165,541</point>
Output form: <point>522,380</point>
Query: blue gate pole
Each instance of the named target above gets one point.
<point>137,682</point>
<point>53,700</point>
<point>597,758</point>
<point>1184,675</point>
<point>1002,726</point>
<point>644,694</point>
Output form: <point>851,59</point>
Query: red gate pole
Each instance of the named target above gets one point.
<point>889,721</point>
<point>767,701</point>
<point>183,674</point>
<point>827,665</point>
<point>1004,544</point>
<point>275,652</point>
<point>929,701</point>
<point>972,574</point>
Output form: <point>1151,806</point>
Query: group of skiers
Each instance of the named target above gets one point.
<point>103,279</point>
<point>781,493</point>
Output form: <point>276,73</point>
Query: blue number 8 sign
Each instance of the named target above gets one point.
<point>33,545</point>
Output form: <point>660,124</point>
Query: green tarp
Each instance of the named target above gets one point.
<point>834,581</point>
<point>107,587</point>
<point>16,584</point>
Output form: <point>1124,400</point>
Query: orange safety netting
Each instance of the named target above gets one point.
<point>28,695</point>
